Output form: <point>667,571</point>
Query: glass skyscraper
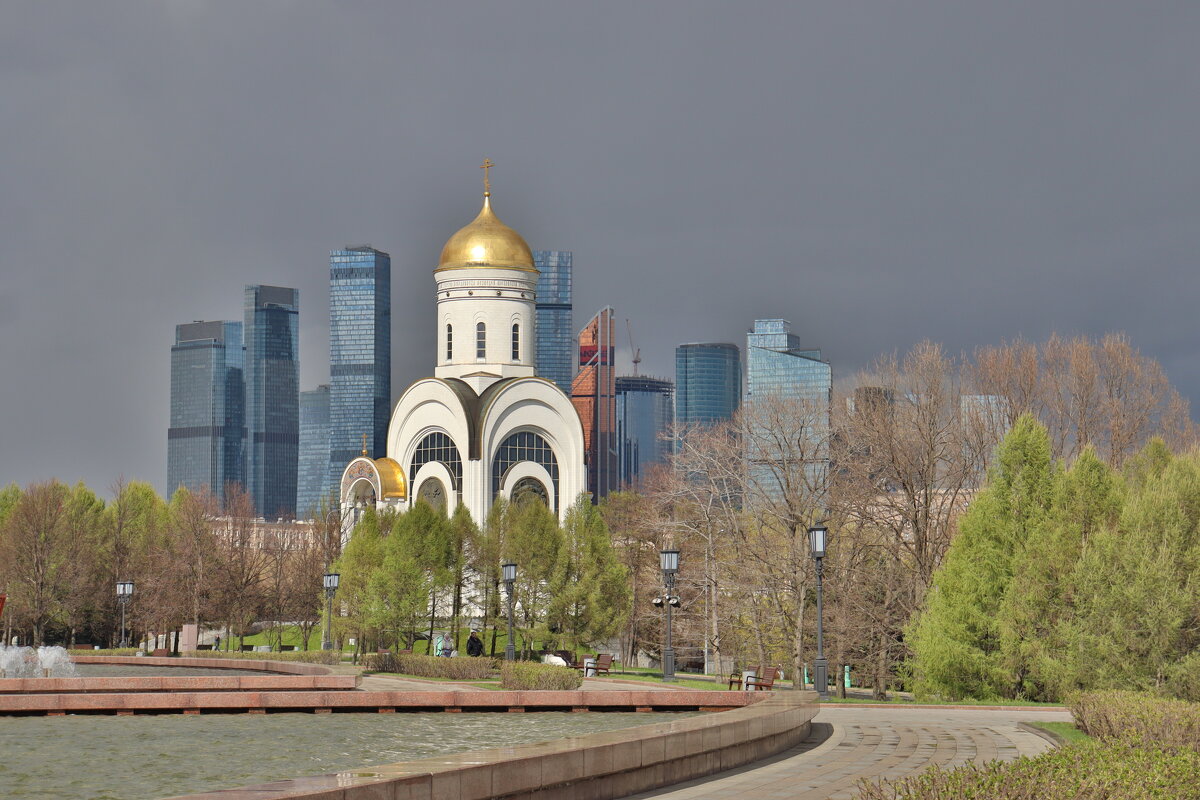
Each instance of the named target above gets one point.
<point>708,382</point>
<point>593,393</point>
<point>644,416</point>
<point>272,398</point>
<point>777,366</point>
<point>207,438</point>
<point>360,356</point>
<point>555,334</point>
<point>312,475</point>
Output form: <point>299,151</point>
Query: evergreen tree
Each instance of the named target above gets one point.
<point>1037,610</point>
<point>955,639</point>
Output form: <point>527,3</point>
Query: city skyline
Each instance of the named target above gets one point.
<point>880,176</point>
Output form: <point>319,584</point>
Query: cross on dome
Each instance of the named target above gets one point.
<point>487,184</point>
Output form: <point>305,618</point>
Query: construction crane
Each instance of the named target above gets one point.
<point>637,352</point>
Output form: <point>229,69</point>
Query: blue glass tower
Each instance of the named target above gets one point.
<point>207,438</point>
<point>555,334</point>
<point>272,398</point>
<point>360,356</point>
<point>312,482</point>
<point>776,365</point>
<point>644,416</point>
<point>708,382</point>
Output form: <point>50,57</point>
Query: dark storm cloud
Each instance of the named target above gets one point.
<point>877,173</point>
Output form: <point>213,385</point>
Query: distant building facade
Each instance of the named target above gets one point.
<point>594,395</point>
<point>778,366</point>
<point>272,398</point>
<point>555,333</point>
<point>708,382</point>
<point>645,411</point>
<point>312,471</point>
<point>206,440</point>
<point>360,357</point>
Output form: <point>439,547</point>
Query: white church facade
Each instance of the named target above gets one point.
<point>485,426</point>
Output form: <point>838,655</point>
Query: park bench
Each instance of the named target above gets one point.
<point>603,662</point>
<point>764,679</point>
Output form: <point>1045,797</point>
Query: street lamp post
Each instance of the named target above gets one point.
<point>330,580</point>
<point>816,543</point>
<point>670,566</point>
<point>509,573</point>
<point>124,592</point>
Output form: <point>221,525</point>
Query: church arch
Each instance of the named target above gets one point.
<point>438,447</point>
<point>523,447</point>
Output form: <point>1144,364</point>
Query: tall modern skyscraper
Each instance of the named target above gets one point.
<point>644,416</point>
<point>593,393</point>
<point>360,356</point>
<point>272,398</point>
<point>708,382</point>
<point>207,438</point>
<point>312,472</point>
<point>777,366</point>
<point>555,334</point>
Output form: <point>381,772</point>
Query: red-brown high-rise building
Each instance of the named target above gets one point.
<point>594,395</point>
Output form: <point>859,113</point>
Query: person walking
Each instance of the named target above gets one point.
<point>447,646</point>
<point>474,645</point>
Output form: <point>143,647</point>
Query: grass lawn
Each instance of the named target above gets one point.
<point>1066,730</point>
<point>900,701</point>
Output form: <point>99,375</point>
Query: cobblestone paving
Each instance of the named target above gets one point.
<point>851,743</point>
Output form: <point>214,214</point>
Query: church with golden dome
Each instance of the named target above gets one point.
<point>484,426</point>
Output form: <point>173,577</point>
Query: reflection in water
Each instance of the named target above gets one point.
<point>121,758</point>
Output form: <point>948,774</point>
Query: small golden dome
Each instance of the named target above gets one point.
<point>486,242</point>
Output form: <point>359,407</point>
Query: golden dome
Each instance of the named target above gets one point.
<point>486,242</point>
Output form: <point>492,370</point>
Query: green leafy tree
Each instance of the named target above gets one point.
<point>1037,611</point>
<point>357,565</point>
<point>592,599</point>
<point>1138,613</point>
<point>955,639</point>
<point>533,542</point>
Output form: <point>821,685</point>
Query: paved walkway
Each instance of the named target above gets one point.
<point>851,743</point>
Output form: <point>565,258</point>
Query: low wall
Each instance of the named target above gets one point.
<point>252,664</point>
<point>596,767</point>
<point>276,701</point>
<point>188,683</point>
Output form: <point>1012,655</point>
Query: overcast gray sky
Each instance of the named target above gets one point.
<point>878,173</point>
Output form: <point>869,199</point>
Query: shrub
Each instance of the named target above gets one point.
<point>112,651</point>
<point>1113,770</point>
<point>1137,717</point>
<point>303,656</point>
<point>459,669</point>
<point>530,675</point>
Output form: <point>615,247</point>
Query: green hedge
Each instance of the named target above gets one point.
<point>525,675</point>
<point>1114,770</point>
<point>305,656</point>
<point>459,669</point>
<point>1141,718</point>
<point>112,651</point>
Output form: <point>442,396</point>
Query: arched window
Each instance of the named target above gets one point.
<point>449,342</point>
<point>481,341</point>
<point>438,446</point>
<point>516,342</point>
<point>523,446</point>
